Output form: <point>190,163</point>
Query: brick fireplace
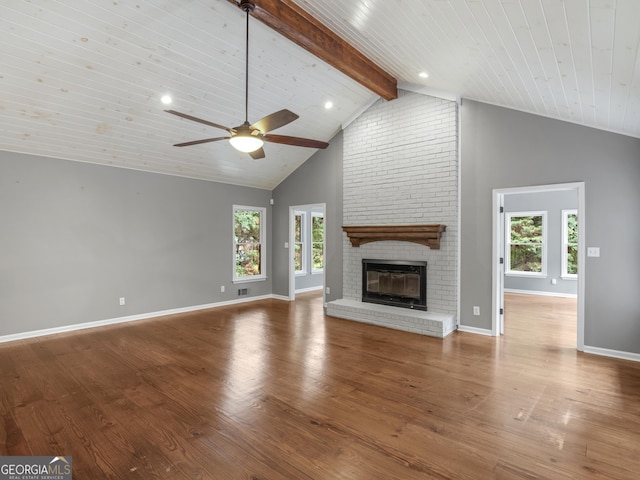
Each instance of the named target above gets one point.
<point>400,169</point>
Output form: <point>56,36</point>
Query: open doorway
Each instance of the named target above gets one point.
<point>307,249</point>
<point>543,320</point>
<point>535,270</point>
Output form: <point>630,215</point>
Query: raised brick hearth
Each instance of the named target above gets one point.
<point>415,321</point>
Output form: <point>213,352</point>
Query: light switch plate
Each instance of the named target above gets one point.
<point>593,251</point>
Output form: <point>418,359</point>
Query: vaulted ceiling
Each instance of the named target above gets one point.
<point>82,80</point>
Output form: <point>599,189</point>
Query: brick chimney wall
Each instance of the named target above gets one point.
<point>401,167</point>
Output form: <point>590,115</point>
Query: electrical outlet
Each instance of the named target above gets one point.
<point>476,310</point>
<point>121,300</point>
<point>327,290</point>
<point>221,288</point>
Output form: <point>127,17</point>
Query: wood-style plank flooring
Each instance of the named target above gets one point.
<point>276,390</point>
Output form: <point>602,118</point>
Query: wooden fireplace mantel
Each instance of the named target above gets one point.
<point>428,235</point>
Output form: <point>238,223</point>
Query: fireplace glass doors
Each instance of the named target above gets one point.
<point>398,283</point>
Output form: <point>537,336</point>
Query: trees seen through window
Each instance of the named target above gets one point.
<point>248,230</point>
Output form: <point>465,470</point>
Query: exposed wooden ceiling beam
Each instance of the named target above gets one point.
<point>291,21</point>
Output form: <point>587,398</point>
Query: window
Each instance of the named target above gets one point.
<point>569,243</point>
<point>526,238</point>
<point>249,229</point>
<point>300,252</point>
<point>317,242</point>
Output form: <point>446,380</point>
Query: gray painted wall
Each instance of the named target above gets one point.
<point>553,203</point>
<point>318,180</point>
<point>503,148</point>
<point>76,237</point>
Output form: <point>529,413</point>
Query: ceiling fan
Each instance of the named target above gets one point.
<point>248,137</point>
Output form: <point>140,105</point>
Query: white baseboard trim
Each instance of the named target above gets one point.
<point>131,318</point>
<point>536,292</point>
<point>309,289</point>
<point>605,352</point>
<point>281,297</point>
<point>476,330</point>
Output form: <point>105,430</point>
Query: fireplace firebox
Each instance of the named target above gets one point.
<point>400,283</point>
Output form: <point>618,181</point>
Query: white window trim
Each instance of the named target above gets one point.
<point>317,271</point>
<point>263,244</point>
<point>565,237</point>
<point>303,237</point>
<point>507,243</point>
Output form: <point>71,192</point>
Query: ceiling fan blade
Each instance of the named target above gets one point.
<point>196,142</point>
<point>275,120</point>
<point>257,154</point>
<point>295,141</point>
<point>199,120</point>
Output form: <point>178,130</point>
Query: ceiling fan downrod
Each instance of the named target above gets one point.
<point>247,7</point>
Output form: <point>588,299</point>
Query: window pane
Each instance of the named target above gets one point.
<point>248,242</point>
<point>572,259</point>
<point>318,256</point>
<point>526,229</point>
<point>247,259</point>
<point>298,228</point>
<point>572,228</point>
<point>317,228</point>
<point>526,258</point>
<point>247,226</point>
<point>297,257</point>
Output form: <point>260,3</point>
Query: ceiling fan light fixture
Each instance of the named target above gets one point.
<point>246,143</point>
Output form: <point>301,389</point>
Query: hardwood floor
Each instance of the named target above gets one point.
<point>554,318</point>
<point>275,390</point>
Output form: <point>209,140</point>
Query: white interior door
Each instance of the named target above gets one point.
<point>502,253</point>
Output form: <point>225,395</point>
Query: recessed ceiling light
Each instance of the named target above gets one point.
<point>166,99</point>
<point>423,75</point>
<point>328,105</point>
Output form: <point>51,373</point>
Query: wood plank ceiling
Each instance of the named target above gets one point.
<point>82,80</point>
